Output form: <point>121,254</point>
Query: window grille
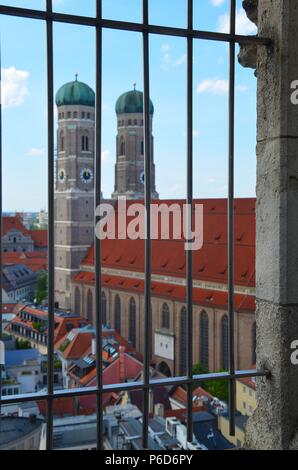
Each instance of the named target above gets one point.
<point>145,29</point>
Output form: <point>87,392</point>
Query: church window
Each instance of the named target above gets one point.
<point>165,317</point>
<point>129,122</point>
<point>224,343</point>
<point>83,115</point>
<point>69,115</point>
<point>183,341</point>
<point>142,148</point>
<point>88,115</point>
<point>132,322</point>
<point>204,339</point>
<point>77,300</point>
<point>62,141</point>
<point>104,307</point>
<point>89,306</point>
<point>135,122</point>
<point>122,147</point>
<point>85,143</point>
<point>75,114</point>
<point>117,314</point>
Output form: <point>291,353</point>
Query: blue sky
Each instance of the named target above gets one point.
<point>24,96</point>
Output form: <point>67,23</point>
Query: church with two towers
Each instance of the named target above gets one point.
<point>74,195</point>
<point>122,296</point>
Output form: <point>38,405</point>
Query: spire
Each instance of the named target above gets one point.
<point>134,86</point>
<point>76,75</point>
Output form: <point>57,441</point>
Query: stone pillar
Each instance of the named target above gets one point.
<point>275,422</point>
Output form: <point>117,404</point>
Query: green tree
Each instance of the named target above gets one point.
<point>23,344</point>
<point>216,388</point>
<point>42,288</point>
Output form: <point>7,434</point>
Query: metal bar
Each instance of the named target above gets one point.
<point>147,195</point>
<point>1,304</point>
<point>189,257</point>
<point>232,391</point>
<point>51,287</point>
<point>130,386</point>
<point>137,27</point>
<point>97,244</point>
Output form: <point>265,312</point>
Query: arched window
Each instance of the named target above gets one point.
<point>117,314</point>
<point>62,141</point>
<point>122,148</point>
<point>89,306</point>
<point>151,335</point>
<point>87,143</point>
<point>104,308</point>
<point>132,322</point>
<point>142,148</point>
<point>183,341</point>
<point>77,305</point>
<point>204,340</point>
<point>165,317</point>
<point>254,344</point>
<point>224,343</point>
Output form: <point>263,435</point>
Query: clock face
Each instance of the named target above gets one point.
<point>86,175</point>
<point>62,176</point>
<point>142,177</point>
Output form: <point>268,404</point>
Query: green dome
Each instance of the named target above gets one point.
<point>75,93</point>
<point>131,102</point>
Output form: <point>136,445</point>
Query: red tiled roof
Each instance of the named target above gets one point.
<point>40,238</point>
<point>62,324</point>
<point>8,308</point>
<point>169,257</point>
<point>204,297</point>
<point>61,407</point>
<point>209,263</point>
<point>36,261</point>
<point>180,394</point>
<point>77,347</point>
<point>14,223</point>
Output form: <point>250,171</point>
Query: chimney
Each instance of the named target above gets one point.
<point>122,363</point>
<point>93,347</point>
<point>159,410</point>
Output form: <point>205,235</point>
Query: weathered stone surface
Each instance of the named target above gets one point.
<point>251,8</point>
<point>274,424</point>
<point>247,56</point>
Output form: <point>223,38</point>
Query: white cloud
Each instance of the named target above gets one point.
<point>243,24</point>
<point>14,87</point>
<point>167,60</point>
<point>181,60</point>
<point>217,86</point>
<point>217,3</point>
<point>165,50</point>
<point>105,155</point>
<point>35,152</point>
<point>213,85</point>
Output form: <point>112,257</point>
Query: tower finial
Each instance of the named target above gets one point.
<point>134,86</point>
<point>76,75</point>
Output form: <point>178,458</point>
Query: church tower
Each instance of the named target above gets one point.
<point>74,194</point>
<point>129,169</point>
